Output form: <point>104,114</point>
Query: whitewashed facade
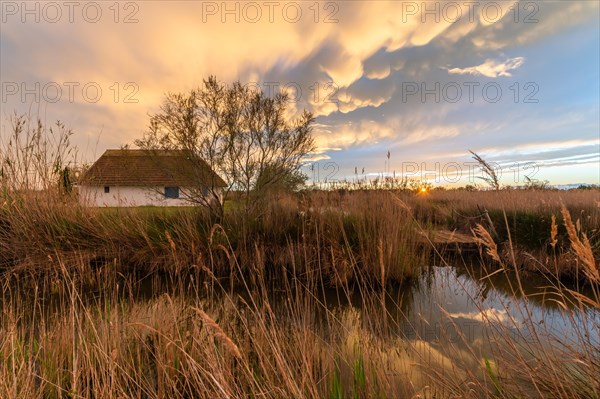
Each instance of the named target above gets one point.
<point>128,196</point>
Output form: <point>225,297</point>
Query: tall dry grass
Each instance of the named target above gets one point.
<point>367,237</point>
<point>193,336</point>
<point>198,340</point>
<point>222,329</point>
<point>150,303</point>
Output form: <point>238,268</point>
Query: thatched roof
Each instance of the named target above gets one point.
<point>150,168</point>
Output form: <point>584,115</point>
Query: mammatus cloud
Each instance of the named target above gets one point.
<point>491,68</point>
<point>353,64</point>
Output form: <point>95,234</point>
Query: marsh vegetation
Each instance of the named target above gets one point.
<point>346,293</point>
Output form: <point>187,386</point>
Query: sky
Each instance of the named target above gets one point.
<point>422,81</point>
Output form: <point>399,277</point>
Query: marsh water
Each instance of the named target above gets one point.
<point>445,303</point>
<point>452,317</point>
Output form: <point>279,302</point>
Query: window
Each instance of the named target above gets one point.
<point>106,189</point>
<point>172,192</point>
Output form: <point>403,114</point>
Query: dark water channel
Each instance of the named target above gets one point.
<point>450,313</point>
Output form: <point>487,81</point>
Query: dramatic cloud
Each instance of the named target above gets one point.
<point>399,75</point>
<point>491,68</point>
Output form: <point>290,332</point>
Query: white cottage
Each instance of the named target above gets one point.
<point>143,178</point>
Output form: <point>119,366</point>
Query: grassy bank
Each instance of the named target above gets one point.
<point>377,235</point>
<point>371,236</point>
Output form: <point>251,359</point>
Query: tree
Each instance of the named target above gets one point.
<point>65,183</point>
<point>534,184</point>
<point>278,179</point>
<point>242,134</point>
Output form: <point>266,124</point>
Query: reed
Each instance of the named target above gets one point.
<point>153,303</point>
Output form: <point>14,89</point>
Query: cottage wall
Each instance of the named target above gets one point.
<point>126,196</point>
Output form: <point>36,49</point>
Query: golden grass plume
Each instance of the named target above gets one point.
<point>219,333</point>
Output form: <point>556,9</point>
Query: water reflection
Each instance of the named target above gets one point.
<point>462,307</point>
<point>455,305</point>
<point>450,321</point>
